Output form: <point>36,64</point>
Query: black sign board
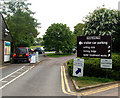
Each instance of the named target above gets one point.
<point>94,46</point>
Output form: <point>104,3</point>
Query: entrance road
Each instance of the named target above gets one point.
<point>43,80</point>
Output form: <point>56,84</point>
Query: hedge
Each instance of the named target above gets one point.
<point>92,68</point>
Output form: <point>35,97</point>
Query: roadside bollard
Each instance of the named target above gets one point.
<point>37,58</point>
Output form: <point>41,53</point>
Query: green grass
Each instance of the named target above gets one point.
<point>88,81</point>
<point>32,47</point>
<point>56,55</point>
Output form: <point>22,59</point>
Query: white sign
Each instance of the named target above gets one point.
<point>106,63</point>
<point>33,58</point>
<point>78,67</point>
<point>6,58</point>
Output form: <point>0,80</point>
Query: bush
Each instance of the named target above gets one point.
<point>22,43</point>
<point>70,67</point>
<point>92,68</point>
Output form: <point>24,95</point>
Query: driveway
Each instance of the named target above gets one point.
<point>43,79</point>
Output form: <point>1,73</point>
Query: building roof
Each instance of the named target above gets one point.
<point>5,27</point>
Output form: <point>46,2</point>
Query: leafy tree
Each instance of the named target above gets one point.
<point>103,22</point>
<point>10,7</point>
<point>116,36</point>
<point>22,27</point>
<point>78,30</point>
<point>20,21</point>
<point>38,41</point>
<point>59,37</point>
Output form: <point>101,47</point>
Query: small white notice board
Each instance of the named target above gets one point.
<point>106,63</point>
<point>78,67</point>
<point>33,58</point>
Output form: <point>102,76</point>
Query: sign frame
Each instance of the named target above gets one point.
<point>78,67</point>
<point>94,46</point>
<point>106,63</point>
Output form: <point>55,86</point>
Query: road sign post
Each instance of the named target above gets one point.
<point>107,64</point>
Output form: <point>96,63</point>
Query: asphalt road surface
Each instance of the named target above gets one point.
<point>43,79</point>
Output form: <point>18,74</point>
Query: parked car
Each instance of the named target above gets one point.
<point>74,50</point>
<point>21,54</point>
<point>52,49</point>
<point>39,50</point>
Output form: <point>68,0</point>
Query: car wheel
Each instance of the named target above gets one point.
<point>14,61</point>
<point>28,61</point>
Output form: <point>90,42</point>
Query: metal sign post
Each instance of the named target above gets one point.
<point>106,63</point>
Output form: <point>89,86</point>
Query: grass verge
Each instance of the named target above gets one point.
<point>89,81</point>
<point>56,55</point>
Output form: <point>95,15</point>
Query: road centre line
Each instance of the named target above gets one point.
<point>12,73</point>
<point>79,94</point>
<point>16,78</point>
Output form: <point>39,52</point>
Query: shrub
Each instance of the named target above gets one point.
<point>92,68</point>
<point>70,67</point>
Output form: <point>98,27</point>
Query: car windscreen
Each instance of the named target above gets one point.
<point>21,50</point>
<point>38,49</point>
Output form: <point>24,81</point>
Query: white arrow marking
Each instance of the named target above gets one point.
<point>108,50</point>
<point>80,43</point>
<point>108,47</point>
<point>108,55</point>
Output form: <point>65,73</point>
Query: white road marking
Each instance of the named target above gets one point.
<point>16,78</point>
<point>4,81</point>
<point>12,76</point>
<point>11,73</point>
<point>64,79</point>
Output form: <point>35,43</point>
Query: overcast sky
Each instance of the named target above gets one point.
<point>70,12</point>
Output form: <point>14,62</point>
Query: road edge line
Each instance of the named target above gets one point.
<point>68,88</point>
<point>62,82</point>
<point>99,90</point>
<point>3,67</point>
